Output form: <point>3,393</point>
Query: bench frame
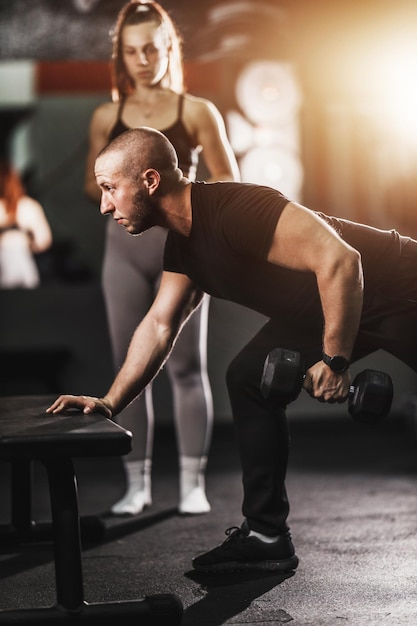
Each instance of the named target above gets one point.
<point>66,531</point>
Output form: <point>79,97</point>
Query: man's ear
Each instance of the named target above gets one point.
<point>152,180</point>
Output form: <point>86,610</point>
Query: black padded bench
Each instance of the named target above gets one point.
<point>28,433</point>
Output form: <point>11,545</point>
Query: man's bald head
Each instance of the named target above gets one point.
<point>145,148</point>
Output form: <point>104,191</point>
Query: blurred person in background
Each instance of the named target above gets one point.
<point>24,232</point>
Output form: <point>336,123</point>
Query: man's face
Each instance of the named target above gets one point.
<point>127,201</point>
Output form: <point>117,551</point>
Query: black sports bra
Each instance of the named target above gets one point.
<point>177,134</point>
<point>5,229</point>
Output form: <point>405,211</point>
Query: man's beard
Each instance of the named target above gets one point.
<point>144,213</point>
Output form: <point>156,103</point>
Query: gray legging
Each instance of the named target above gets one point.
<point>131,275</point>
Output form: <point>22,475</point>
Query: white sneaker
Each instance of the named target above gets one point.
<point>138,494</point>
<point>195,503</point>
<point>132,503</point>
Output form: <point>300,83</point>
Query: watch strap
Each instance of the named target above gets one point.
<point>337,364</point>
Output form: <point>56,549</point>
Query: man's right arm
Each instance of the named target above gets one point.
<point>304,242</point>
<point>150,347</point>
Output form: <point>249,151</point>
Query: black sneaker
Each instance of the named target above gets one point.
<point>241,553</point>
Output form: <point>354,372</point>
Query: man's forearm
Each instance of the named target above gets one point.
<point>342,299</point>
<point>148,351</point>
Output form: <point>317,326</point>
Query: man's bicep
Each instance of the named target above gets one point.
<point>302,240</point>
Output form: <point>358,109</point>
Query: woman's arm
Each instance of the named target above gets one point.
<point>101,124</point>
<point>205,123</point>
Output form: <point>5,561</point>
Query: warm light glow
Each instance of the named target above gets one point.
<point>383,87</point>
<point>395,85</point>
<point>267,92</point>
<point>244,135</point>
<point>266,135</point>
<point>376,74</point>
<point>275,167</point>
<point>240,132</point>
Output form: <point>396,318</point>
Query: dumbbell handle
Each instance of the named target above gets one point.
<point>355,388</point>
<point>351,387</point>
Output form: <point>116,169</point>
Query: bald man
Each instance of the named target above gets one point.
<point>332,289</point>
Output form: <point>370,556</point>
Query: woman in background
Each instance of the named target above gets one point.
<point>24,232</point>
<point>148,90</point>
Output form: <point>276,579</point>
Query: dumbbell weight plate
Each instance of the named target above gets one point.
<point>282,375</point>
<point>370,396</point>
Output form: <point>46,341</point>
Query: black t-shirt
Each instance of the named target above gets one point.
<point>226,251</point>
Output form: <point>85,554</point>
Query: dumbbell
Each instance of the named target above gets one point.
<point>370,395</point>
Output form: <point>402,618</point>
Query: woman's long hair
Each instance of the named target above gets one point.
<point>11,190</point>
<point>138,12</point>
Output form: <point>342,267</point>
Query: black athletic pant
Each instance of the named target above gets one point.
<point>388,322</point>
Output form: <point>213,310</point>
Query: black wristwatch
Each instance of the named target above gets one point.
<point>337,364</point>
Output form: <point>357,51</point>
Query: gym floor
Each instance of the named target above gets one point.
<point>353,519</point>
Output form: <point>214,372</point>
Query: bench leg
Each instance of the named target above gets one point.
<point>66,533</point>
<point>21,487</point>
<point>23,529</point>
<point>155,610</point>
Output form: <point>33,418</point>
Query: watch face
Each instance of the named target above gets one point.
<point>339,363</point>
